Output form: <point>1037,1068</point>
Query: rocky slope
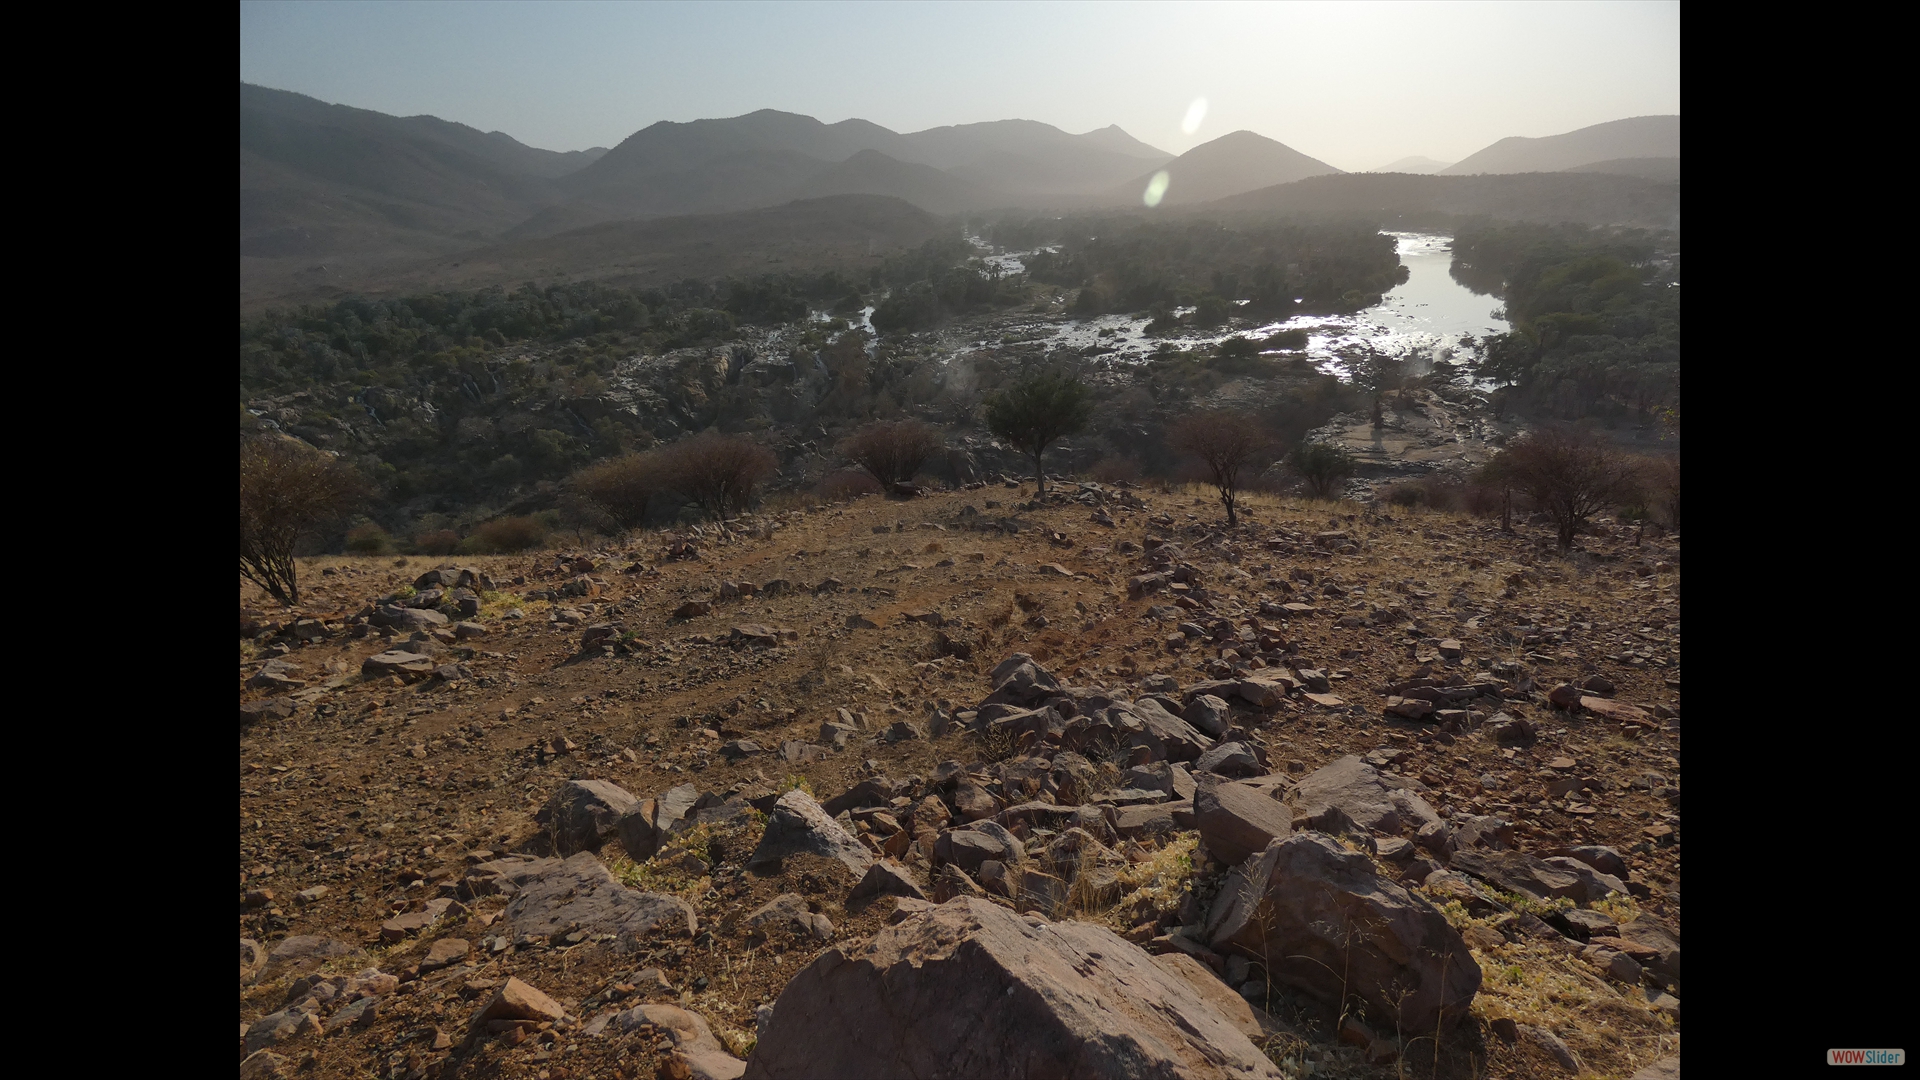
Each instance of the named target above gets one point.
<point>685,807</point>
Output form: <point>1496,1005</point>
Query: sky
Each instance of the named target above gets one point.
<point>1357,85</point>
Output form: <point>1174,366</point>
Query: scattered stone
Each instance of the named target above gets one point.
<point>444,953</point>
<point>1357,789</point>
<point>886,878</point>
<point>788,911</point>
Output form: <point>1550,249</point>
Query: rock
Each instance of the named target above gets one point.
<point>1151,819</point>
<point>284,1026</point>
<point>873,791</point>
<point>1255,1024</point>
<point>696,1054</point>
<point>1604,859</point>
<point>861,622</point>
<point>555,896</point>
<point>1261,693</point>
<point>1659,944</point>
<point>1356,788</point>
<point>739,748</point>
<point>400,927</point>
<point>1174,737</point>
<point>886,878</point>
<point>252,712</point>
<point>1319,918</point>
<point>975,803</point>
<point>1551,1043</point>
<point>302,953</point>
<point>408,620</point>
<point>976,843</point>
<point>444,953</point>
<point>1564,696</point>
<point>1407,708</point>
<point>1231,759</point>
<point>583,813</point>
<point>1018,680</point>
<point>516,1000</point>
<point>1236,821</point>
<point>397,662</point>
<point>693,609</point>
<point>798,825</point>
<point>1617,711</point>
<point>1664,1069</point>
<point>253,959</point>
<point>951,881</point>
<point>265,1065</point>
<point>788,911</point>
<point>1208,714</point>
<point>1163,776</point>
<point>970,989</point>
<point>466,631</point>
<point>1517,872</point>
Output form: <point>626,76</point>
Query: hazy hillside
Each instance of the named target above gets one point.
<point>1636,137</point>
<point>841,231</point>
<point>1417,165</point>
<point>1588,197</point>
<point>317,178</point>
<point>1231,164</point>
<point>870,172</point>
<point>1656,168</point>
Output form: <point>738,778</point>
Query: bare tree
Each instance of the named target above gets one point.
<point>1226,441</point>
<point>1570,476</point>
<point>288,491</point>
<point>716,472</point>
<point>892,451</point>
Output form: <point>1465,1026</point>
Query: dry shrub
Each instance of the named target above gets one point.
<point>1482,500</point>
<point>369,539</point>
<point>619,488</point>
<point>716,472</point>
<point>1570,475</point>
<point>846,484</point>
<point>509,534</point>
<point>892,451</point>
<point>1112,469</point>
<point>436,542</point>
<point>288,491</point>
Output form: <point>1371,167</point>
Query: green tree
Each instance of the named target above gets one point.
<point>1322,465</point>
<point>1038,410</point>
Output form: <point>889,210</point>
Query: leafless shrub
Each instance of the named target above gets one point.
<point>288,490</point>
<point>892,450</point>
<point>716,472</point>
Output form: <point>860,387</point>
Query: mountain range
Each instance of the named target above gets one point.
<point>332,195</point>
<point>1632,139</point>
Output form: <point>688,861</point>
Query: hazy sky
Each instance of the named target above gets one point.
<point>1355,84</point>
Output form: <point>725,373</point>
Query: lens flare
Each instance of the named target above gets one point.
<point>1156,188</point>
<point>1196,112</point>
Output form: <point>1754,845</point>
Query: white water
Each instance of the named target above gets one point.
<point>1423,319</point>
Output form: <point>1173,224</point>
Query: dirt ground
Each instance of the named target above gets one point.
<point>380,790</point>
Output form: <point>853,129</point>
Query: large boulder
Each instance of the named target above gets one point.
<point>1319,918</point>
<point>1237,821</point>
<point>583,813</point>
<point>555,896</point>
<point>970,989</point>
<point>798,826</point>
<point>1355,787</point>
